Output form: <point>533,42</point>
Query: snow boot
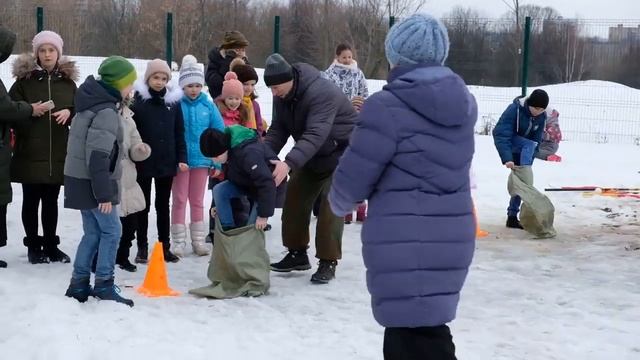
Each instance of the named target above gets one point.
<point>198,231</point>
<point>178,238</point>
<point>79,289</point>
<point>3,264</point>
<point>326,272</point>
<point>122,259</point>
<point>168,255</point>
<point>106,290</point>
<point>34,250</point>
<point>52,251</point>
<point>141,256</point>
<point>513,222</point>
<point>295,260</point>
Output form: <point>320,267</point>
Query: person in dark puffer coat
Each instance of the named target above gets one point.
<point>158,117</point>
<point>11,112</point>
<point>410,156</point>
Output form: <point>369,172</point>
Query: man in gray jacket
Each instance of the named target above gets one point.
<point>320,118</point>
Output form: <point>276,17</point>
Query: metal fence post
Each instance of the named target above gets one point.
<point>276,34</point>
<point>39,19</point>
<point>525,55</point>
<point>169,39</point>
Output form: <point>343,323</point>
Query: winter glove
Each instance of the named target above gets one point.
<point>140,152</point>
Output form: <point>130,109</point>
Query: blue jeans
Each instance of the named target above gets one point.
<point>222,195</point>
<point>101,232</point>
<point>526,149</point>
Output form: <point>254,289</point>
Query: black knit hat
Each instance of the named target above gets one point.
<point>214,142</point>
<point>538,98</point>
<point>245,72</point>
<point>277,70</point>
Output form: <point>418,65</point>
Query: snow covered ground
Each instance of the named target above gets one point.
<point>573,297</point>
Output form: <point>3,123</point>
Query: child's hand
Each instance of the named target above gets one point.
<point>62,116</point>
<point>183,167</point>
<point>510,164</point>
<point>215,173</point>
<point>261,223</point>
<point>105,208</point>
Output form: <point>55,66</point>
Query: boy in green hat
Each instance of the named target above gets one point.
<point>91,173</point>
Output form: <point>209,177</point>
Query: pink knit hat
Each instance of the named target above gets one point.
<point>157,66</point>
<point>47,37</point>
<point>231,86</point>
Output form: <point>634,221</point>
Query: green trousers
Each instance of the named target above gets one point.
<point>303,189</point>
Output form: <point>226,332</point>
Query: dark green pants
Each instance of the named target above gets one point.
<point>303,189</point>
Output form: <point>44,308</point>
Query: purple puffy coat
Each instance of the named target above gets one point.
<point>410,156</point>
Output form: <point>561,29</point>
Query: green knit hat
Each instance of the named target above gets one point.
<point>117,72</point>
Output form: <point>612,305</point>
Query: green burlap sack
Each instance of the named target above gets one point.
<point>536,212</point>
<point>239,264</point>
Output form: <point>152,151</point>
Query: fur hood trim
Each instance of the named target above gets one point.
<point>25,64</point>
<point>173,95</point>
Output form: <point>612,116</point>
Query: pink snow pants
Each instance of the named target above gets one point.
<point>189,185</point>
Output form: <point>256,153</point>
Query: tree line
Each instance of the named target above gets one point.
<point>484,51</point>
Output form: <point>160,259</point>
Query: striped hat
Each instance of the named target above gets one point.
<point>190,72</point>
<point>117,72</point>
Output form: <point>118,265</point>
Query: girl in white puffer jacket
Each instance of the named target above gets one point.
<point>132,200</point>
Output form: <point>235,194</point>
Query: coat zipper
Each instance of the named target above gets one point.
<point>50,140</point>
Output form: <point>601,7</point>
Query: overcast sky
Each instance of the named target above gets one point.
<point>585,9</point>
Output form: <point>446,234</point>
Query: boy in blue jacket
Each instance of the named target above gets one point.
<point>517,136</point>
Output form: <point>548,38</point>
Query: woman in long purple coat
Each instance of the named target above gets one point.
<point>410,156</point>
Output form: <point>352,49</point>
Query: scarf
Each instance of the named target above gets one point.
<point>251,115</point>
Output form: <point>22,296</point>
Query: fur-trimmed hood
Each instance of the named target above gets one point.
<point>25,65</point>
<point>173,95</point>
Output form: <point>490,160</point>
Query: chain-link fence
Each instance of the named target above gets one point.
<point>589,67</point>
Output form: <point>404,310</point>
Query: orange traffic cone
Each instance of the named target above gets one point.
<point>155,281</point>
<point>479,232</point>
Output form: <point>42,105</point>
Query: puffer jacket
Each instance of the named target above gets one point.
<point>349,78</point>
<point>517,120</point>
<point>92,168</point>
<point>199,114</point>
<point>410,156</point>
<point>319,118</point>
<point>133,149</point>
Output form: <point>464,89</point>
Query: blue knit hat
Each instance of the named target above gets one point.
<point>420,38</point>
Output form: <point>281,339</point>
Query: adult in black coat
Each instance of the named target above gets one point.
<point>315,113</point>
<point>233,46</point>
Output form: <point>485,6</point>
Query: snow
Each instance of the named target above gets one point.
<point>572,297</point>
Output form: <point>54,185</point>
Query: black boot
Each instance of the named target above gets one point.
<point>168,255</point>
<point>142,255</point>
<point>3,264</point>
<point>35,254</point>
<point>79,289</point>
<point>52,251</point>
<point>294,260</point>
<point>513,222</point>
<point>326,272</point>
<point>122,259</point>
<point>106,290</point>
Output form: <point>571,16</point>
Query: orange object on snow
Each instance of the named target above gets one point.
<point>479,232</point>
<point>155,281</point>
